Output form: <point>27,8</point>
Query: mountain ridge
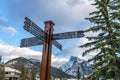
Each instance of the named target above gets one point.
<point>71,67</point>
<point>35,65</point>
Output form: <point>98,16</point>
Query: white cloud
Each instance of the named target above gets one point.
<point>10,30</point>
<point>3,19</point>
<point>62,12</point>
<point>4,24</point>
<point>2,42</point>
<point>57,62</point>
<point>10,52</point>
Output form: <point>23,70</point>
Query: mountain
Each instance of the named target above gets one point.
<point>71,67</point>
<point>35,65</point>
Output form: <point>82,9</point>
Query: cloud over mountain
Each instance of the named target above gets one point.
<point>9,52</point>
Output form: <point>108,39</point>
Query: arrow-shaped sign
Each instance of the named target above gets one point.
<point>68,35</point>
<point>34,41</point>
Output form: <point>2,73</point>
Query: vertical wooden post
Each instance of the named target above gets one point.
<point>47,51</point>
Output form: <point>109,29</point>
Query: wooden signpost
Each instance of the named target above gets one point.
<point>47,38</point>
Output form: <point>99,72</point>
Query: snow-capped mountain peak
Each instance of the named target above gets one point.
<point>71,67</point>
<point>76,59</point>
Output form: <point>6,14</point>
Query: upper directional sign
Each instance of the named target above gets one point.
<point>33,28</point>
<point>68,35</point>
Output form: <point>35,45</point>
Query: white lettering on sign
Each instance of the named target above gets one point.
<point>68,35</point>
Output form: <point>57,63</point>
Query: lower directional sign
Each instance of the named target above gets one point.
<point>33,41</point>
<point>68,35</point>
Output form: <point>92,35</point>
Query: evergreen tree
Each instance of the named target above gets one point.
<point>106,21</point>
<point>2,70</point>
<point>78,74</point>
<point>23,75</point>
<point>33,75</point>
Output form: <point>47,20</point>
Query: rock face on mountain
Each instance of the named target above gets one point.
<point>71,67</point>
<point>35,65</point>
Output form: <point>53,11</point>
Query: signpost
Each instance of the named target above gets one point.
<point>47,38</point>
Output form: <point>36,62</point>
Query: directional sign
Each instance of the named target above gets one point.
<point>33,28</point>
<point>38,32</point>
<point>68,35</point>
<point>33,41</point>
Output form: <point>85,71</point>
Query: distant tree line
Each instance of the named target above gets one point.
<point>27,75</point>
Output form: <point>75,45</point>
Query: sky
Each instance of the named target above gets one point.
<point>68,15</point>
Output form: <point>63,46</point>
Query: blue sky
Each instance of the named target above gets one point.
<point>68,15</point>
